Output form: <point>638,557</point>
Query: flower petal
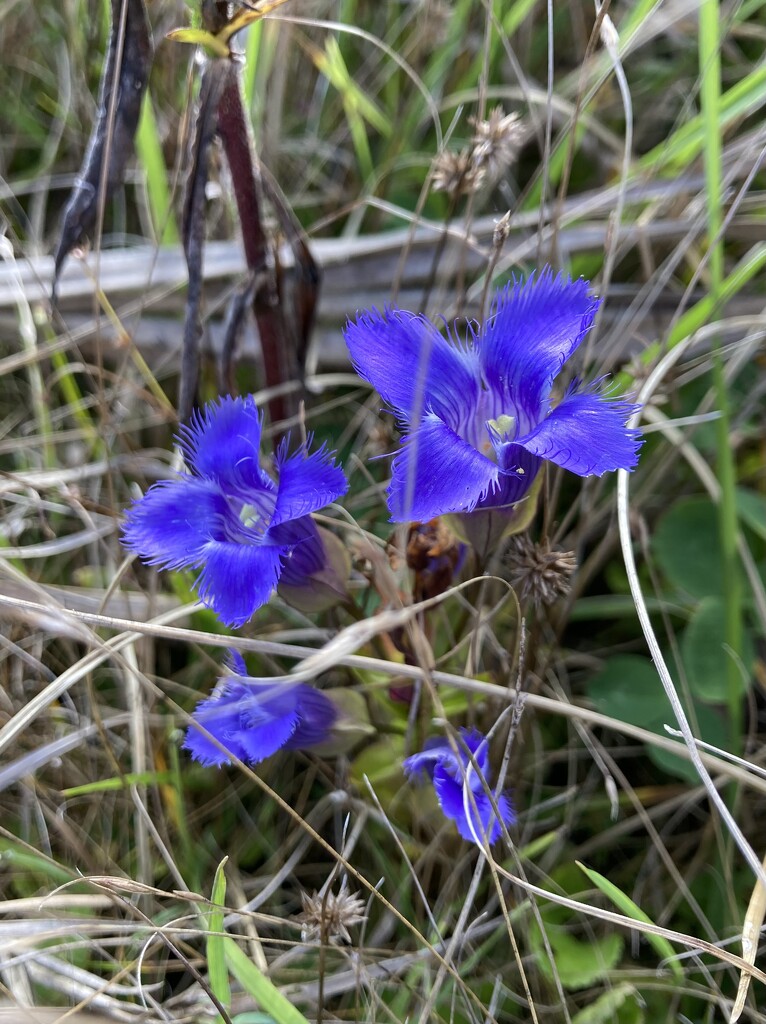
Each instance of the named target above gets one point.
<point>461,789</point>
<point>518,469</point>
<point>306,483</point>
<point>412,366</point>
<point>435,752</point>
<point>224,726</point>
<point>449,793</point>
<point>482,817</point>
<point>251,720</point>
<point>222,443</point>
<point>174,521</point>
<point>270,719</point>
<point>303,554</point>
<point>254,719</point>
<point>437,472</point>
<point>534,327</point>
<point>316,716</point>
<point>586,434</point>
<point>238,578</point>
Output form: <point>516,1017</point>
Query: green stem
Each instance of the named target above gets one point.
<point>710,95</point>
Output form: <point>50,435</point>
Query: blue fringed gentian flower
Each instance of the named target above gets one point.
<point>479,414</point>
<point>254,718</point>
<point>460,789</point>
<point>228,518</point>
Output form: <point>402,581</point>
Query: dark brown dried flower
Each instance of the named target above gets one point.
<point>327,917</point>
<point>538,573</point>
<point>497,141</point>
<point>457,174</point>
<point>433,553</point>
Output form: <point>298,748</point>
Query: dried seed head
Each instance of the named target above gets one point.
<point>497,141</point>
<point>430,27</point>
<point>539,573</point>
<point>327,917</point>
<point>457,174</point>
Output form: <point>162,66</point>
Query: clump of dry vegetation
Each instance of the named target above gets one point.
<point>610,642</point>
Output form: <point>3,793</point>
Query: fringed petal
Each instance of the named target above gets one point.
<point>534,327</point>
<point>222,443</point>
<point>237,579</point>
<point>245,720</point>
<point>435,752</point>
<point>175,520</point>
<point>586,434</point>
<point>437,472</point>
<point>306,483</point>
<point>461,790</point>
<point>413,367</point>
<point>254,719</point>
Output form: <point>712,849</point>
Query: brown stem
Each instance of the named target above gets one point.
<point>279,362</point>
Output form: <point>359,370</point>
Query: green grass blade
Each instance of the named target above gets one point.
<point>630,909</point>
<point>686,144</point>
<point>118,782</point>
<point>710,94</point>
<point>149,150</point>
<point>750,265</point>
<point>252,54</point>
<point>260,987</point>
<point>217,970</point>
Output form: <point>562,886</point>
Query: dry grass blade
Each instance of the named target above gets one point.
<point>50,1015</point>
<point>751,932</point>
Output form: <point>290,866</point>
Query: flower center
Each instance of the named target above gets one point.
<point>256,516</point>
<point>500,430</point>
<point>503,428</point>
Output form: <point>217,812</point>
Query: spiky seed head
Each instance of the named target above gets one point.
<point>539,573</point>
<point>457,174</point>
<point>327,917</point>
<point>497,141</point>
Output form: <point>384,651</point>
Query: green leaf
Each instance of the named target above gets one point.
<point>629,690</point>
<point>149,150</point>
<point>701,312</point>
<point>216,961</point>
<point>687,142</point>
<point>751,507</point>
<point>382,764</point>
<point>630,909</point>
<point>687,547</point>
<point>333,67</point>
<point>260,987</point>
<point>617,1006</point>
<point>578,964</point>
<point>709,725</point>
<point>705,656</point>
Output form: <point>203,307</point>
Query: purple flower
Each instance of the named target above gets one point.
<point>254,718</point>
<point>462,792</point>
<point>227,517</point>
<point>479,413</point>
